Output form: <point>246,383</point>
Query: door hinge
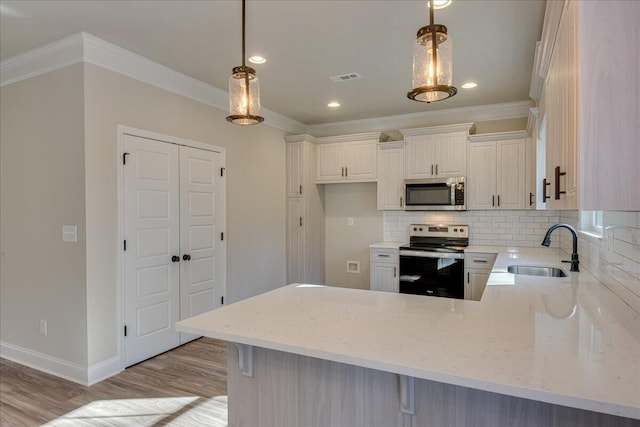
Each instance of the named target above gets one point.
<point>222,171</point>
<point>125,330</point>
<point>124,158</point>
<point>221,300</point>
<point>221,236</point>
<point>125,245</point>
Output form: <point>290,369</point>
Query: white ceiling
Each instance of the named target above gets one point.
<point>305,42</point>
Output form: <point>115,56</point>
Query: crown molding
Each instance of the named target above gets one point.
<point>532,121</point>
<point>509,110</point>
<point>51,57</point>
<point>499,136</point>
<point>460,127</point>
<point>544,48</point>
<point>348,138</point>
<point>300,138</point>
<point>84,47</point>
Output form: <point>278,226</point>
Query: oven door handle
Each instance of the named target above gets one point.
<point>423,254</point>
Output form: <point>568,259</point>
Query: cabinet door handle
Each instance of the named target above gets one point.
<point>401,204</point>
<point>480,260</point>
<point>300,188</point>
<point>174,258</point>
<point>300,221</point>
<point>342,173</point>
<point>431,169</point>
<point>530,201</point>
<point>394,271</point>
<point>558,175</point>
<point>436,169</point>
<point>468,280</point>
<point>498,200</point>
<point>384,256</point>
<point>186,257</point>
<point>493,200</point>
<point>346,171</point>
<point>544,190</point>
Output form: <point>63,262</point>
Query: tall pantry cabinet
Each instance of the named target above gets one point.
<point>590,104</point>
<point>305,213</point>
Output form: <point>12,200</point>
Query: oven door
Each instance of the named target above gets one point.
<point>432,274</point>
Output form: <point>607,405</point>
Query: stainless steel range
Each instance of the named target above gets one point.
<point>433,261</point>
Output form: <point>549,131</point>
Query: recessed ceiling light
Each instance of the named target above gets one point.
<point>439,4</point>
<point>469,85</point>
<point>257,60</point>
<point>333,104</point>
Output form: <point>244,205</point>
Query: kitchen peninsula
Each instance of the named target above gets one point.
<point>533,352</point>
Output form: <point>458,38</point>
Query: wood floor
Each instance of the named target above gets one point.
<point>186,386</point>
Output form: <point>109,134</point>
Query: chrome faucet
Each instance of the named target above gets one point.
<point>574,256</point>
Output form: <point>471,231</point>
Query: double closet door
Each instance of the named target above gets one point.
<point>174,254</point>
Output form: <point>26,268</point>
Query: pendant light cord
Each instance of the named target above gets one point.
<point>246,73</point>
<point>434,44</point>
<point>243,18</point>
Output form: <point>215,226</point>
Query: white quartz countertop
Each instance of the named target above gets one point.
<point>567,341</point>
<point>386,245</point>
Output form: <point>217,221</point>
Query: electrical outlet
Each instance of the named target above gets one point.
<point>350,221</point>
<point>43,327</point>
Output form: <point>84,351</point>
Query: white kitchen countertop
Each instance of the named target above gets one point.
<point>567,341</point>
<point>386,245</point>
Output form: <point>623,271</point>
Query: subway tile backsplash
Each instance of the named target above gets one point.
<point>613,259</point>
<point>494,228</point>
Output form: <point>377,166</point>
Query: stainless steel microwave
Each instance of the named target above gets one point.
<point>438,194</point>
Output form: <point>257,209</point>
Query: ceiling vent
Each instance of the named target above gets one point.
<point>345,77</point>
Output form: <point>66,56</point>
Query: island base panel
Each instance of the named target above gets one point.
<point>292,390</point>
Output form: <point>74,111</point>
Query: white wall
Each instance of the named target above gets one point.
<point>59,166</point>
<point>42,187</point>
<point>255,191</point>
<point>350,243</point>
<point>613,259</point>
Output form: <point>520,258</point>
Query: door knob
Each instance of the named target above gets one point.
<point>186,257</point>
<point>175,258</point>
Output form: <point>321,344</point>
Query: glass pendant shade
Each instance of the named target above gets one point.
<point>244,97</point>
<point>244,91</point>
<point>432,65</point>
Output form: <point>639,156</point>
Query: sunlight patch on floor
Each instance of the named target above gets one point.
<point>174,411</point>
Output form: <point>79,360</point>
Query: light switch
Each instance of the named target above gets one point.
<point>69,233</point>
<point>350,221</point>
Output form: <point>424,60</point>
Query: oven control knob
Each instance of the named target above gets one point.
<point>461,230</point>
<point>420,228</point>
<point>415,229</point>
<point>455,229</point>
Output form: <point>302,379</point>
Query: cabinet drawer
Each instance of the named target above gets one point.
<point>384,255</point>
<point>479,261</point>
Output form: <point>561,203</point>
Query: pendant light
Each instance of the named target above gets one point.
<point>432,64</point>
<point>244,91</point>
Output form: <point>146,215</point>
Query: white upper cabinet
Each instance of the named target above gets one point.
<point>590,104</point>
<point>350,158</point>
<point>294,169</point>
<point>390,175</point>
<point>438,151</point>
<point>496,178</point>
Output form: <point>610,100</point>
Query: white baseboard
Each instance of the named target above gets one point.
<point>103,370</point>
<point>45,363</point>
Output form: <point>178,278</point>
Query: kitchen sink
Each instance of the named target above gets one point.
<point>536,271</point>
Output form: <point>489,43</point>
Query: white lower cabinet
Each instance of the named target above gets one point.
<point>384,270</point>
<point>477,268</point>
